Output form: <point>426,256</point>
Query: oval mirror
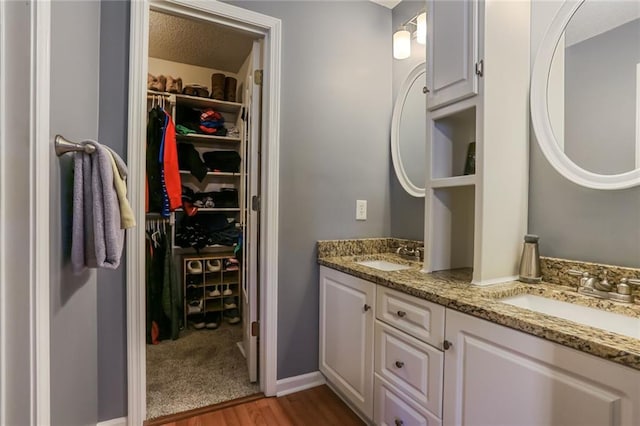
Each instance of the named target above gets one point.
<point>585,93</point>
<point>408,133</point>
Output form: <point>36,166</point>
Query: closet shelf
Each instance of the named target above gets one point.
<point>197,102</point>
<point>221,174</point>
<point>200,138</point>
<point>213,209</point>
<point>235,293</point>
<point>455,181</point>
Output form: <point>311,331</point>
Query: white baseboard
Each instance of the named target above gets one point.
<point>122,421</point>
<point>299,383</point>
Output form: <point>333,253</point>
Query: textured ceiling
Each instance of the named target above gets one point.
<point>198,43</point>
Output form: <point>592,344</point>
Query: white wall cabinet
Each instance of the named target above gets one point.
<point>469,214</point>
<point>346,336</point>
<point>499,376</point>
<point>453,51</point>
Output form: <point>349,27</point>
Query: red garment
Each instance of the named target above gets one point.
<point>172,181</point>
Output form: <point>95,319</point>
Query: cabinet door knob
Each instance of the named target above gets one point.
<point>366,307</point>
<point>447,345</point>
<point>401,313</point>
<point>399,422</point>
<point>399,364</point>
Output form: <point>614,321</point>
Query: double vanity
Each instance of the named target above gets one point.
<point>404,347</point>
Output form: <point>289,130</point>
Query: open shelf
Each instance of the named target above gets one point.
<point>220,174</point>
<point>213,209</point>
<point>450,139</point>
<point>198,102</point>
<point>452,228</point>
<point>200,138</point>
<point>451,182</point>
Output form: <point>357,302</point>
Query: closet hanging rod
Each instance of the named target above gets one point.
<point>62,146</point>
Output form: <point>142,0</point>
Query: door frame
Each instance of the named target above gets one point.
<point>269,28</point>
<point>39,152</point>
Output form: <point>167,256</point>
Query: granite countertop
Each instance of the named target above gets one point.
<point>452,289</point>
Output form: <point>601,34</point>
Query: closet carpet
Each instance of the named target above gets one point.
<point>201,368</point>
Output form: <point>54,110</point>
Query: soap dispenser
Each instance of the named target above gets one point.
<point>530,260</point>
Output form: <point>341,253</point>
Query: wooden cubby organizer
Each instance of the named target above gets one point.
<point>210,287</point>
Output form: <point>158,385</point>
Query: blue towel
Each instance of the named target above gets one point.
<point>97,239</point>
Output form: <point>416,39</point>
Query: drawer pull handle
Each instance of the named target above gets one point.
<point>399,422</point>
<point>402,314</point>
<point>399,364</point>
<point>447,345</point>
<point>366,307</point>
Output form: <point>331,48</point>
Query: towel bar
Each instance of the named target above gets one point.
<point>62,146</point>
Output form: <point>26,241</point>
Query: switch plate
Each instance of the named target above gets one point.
<point>361,209</point>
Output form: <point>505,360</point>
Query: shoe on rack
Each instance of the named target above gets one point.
<point>231,264</point>
<point>215,292</point>
<point>194,267</point>
<point>197,321</point>
<point>227,291</point>
<point>213,265</point>
<point>232,316</point>
<point>194,306</point>
<point>229,303</point>
<point>212,320</point>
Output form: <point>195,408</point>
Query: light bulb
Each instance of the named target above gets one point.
<point>421,37</point>
<point>401,43</point>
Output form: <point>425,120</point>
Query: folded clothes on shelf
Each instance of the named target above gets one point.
<point>189,159</point>
<point>222,161</point>
<point>206,230</point>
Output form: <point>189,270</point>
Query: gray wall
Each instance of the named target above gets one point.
<point>75,48</point>
<point>15,295</point>
<point>407,212</point>
<point>334,149</point>
<point>112,317</point>
<point>575,222</point>
<point>600,93</point>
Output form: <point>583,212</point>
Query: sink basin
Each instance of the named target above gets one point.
<point>383,265</point>
<point>616,323</point>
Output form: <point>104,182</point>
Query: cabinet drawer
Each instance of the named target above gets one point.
<point>394,409</point>
<point>422,319</point>
<point>411,365</point>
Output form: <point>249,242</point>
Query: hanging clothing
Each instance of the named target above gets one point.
<point>163,175</point>
<point>163,291</point>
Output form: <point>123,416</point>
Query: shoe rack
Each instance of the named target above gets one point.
<point>211,286</point>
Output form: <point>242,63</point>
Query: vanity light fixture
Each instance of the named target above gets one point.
<point>402,37</point>
<point>402,43</point>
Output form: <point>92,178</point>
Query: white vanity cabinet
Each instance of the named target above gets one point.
<point>499,376</point>
<point>407,354</point>
<point>453,51</point>
<point>473,211</point>
<point>346,337</point>
<point>408,359</point>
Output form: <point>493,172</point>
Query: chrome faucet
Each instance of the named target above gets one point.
<point>411,252</point>
<point>603,289</point>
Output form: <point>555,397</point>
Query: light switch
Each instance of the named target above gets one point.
<point>361,209</point>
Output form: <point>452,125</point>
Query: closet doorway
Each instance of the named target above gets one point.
<point>211,146</point>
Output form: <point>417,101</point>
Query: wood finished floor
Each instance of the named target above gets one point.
<point>316,406</point>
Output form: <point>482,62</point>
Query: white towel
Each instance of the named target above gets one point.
<point>97,239</point>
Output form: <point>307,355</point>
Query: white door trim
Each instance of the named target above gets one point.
<point>271,29</point>
<point>40,152</point>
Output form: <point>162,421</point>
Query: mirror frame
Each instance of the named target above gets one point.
<point>540,113</point>
<point>403,93</point>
